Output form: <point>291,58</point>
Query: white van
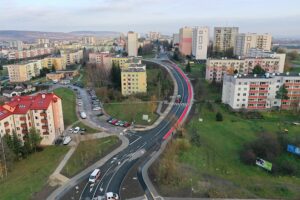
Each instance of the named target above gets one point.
<point>67,140</point>
<point>83,115</point>
<point>94,176</point>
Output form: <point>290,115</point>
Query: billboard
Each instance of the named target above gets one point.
<point>293,149</point>
<point>264,164</point>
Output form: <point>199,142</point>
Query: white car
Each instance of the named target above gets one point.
<point>79,103</point>
<point>111,196</point>
<point>96,108</point>
<point>95,175</point>
<point>71,130</point>
<point>67,140</point>
<point>76,129</point>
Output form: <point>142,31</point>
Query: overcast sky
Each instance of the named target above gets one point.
<point>167,16</point>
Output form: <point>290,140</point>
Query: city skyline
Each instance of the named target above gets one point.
<point>276,17</point>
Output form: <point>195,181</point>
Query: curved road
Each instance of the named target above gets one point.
<point>141,143</point>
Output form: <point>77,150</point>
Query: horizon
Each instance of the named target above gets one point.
<point>275,17</point>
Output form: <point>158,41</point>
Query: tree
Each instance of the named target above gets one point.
<point>140,51</point>
<point>53,68</point>
<point>229,53</point>
<point>1,67</point>
<point>188,67</point>
<point>153,103</point>
<point>219,117</point>
<point>16,145</point>
<point>44,71</point>
<point>34,138</point>
<point>258,70</point>
<point>282,93</point>
<point>116,76</point>
<point>7,157</point>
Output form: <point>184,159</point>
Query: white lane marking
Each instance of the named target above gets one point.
<point>135,140</point>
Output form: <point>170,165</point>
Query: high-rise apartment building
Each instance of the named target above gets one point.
<point>132,43</point>
<point>200,42</point>
<point>89,40</point>
<point>185,40</point>
<point>247,41</point>
<point>154,35</point>
<point>258,92</point>
<point>225,38</point>
<point>42,112</point>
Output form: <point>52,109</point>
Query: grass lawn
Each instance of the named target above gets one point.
<point>30,175</point>
<point>69,105</point>
<point>130,111</point>
<point>295,69</point>
<point>89,130</point>
<point>89,152</point>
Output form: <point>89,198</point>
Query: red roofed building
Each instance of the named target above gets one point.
<point>42,112</point>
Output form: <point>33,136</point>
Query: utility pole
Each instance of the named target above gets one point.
<point>4,157</point>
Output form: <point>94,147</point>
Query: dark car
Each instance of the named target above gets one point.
<point>109,119</point>
<point>126,124</point>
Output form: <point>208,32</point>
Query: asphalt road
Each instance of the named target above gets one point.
<point>115,170</point>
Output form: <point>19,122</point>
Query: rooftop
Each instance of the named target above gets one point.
<point>266,75</point>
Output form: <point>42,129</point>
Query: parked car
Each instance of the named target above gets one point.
<point>114,122</point>
<point>95,175</point>
<point>83,115</point>
<point>71,130</point>
<point>126,124</point>
<point>109,119</point>
<point>67,140</point>
<point>83,129</point>
<point>76,129</point>
<point>96,108</point>
<point>58,141</point>
<point>79,103</point>
<point>120,123</point>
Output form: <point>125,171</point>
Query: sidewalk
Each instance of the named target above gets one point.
<point>59,192</point>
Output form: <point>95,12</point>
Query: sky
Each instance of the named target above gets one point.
<point>281,18</point>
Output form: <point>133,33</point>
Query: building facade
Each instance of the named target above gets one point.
<point>154,35</point>
<point>217,68</point>
<point>42,112</point>
<point>24,54</point>
<point>89,40</point>
<point>24,71</point>
<point>225,38</point>
<point>247,41</point>
<point>72,57</point>
<point>103,59</point>
<point>185,41</point>
<point>132,43</point>
<point>58,62</point>
<point>254,92</point>
<point>200,42</point>
<point>133,79</point>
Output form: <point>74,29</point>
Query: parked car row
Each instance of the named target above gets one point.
<point>117,122</point>
<point>77,129</point>
<point>96,105</point>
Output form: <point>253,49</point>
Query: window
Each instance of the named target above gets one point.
<point>245,94</point>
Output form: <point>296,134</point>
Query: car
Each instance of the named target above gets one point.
<point>83,115</point>
<point>95,175</point>
<point>71,130</point>
<point>111,196</point>
<point>109,119</point>
<point>67,140</point>
<point>76,129</point>
<point>114,122</point>
<point>96,108</point>
<point>79,103</point>
<point>83,129</point>
<point>120,123</point>
<point>126,124</point>
<point>58,141</point>
<point>178,99</point>
<point>78,97</point>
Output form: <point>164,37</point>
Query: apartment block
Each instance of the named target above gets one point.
<point>185,40</point>
<point>134,79</point>
<point>89,40</point>
<point>258,92</point>
<point>132,43</point>
<point>42,112</point>
<point>247,41</point>
<point>72,57</point>
<point>58,62</point>
<point>200,42</point>
<point>175,39</point>
<point>24,54</point>
<point>217,68</point>
<point>119,61</point>
<point>103,59</point>
<point>24,71</point>
<point>225,38</point>
<point>154,35</point>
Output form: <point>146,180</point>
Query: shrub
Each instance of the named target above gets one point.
<point>219,117</point>
<point>248,157</point>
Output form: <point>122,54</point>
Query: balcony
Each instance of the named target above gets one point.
<point>25,131</point>
<point>22,118</point>
<point>46,133</point>
<point>45,121</point>
<point>45,127</point>
<point>6,124</point>
<point>43,114</point>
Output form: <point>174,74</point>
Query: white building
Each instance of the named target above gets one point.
<point>175,39</point>
<point>200,42</point>
<point>257,92</point>
<point>247,41</point>
<point>154,35</point>
<point>132,43</point>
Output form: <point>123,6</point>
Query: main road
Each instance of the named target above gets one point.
<point>141,143</point>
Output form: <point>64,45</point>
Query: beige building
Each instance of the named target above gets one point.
<point>133,79</point>
<point>119,61</point>
<point>42,112</point>
<point>72,57</point>
<point>258,92</point>
<point>154,35</point>
<point>59,63</point>
<point>247,41</point>
<point>200,42</point>
<point>22,72</point>
<point>185,40</point>
<point>102,59</point>
<point>217,68</point>
<point>225,38</point>
<point>89,40</point>
<point>132,43</point>
<point>64,74</point>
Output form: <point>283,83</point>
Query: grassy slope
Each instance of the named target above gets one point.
<point>88,152</point>
<point>68,104</point>
<point>30,175</point>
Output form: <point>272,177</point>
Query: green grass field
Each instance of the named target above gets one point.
<point>89,152</point>
<point>129,111</point>
<point>69,105</point>
<point>30,175</point>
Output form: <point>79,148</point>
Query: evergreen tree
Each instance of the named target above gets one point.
<point>17,145</point>
<point>258,70</point>
<point>140,51</point>
<point>282,93</point>
<point>34,138</point>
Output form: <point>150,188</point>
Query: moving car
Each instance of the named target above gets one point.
<point>67,140</point>
<point>95,175</point>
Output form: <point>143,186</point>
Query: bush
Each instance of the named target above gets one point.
<point>248,157</point>
<point>219,117</point>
